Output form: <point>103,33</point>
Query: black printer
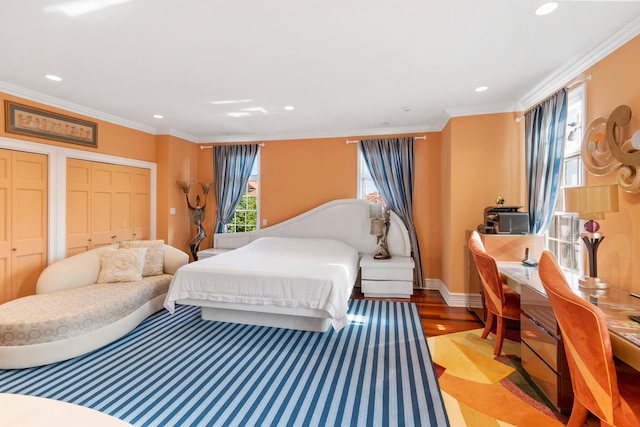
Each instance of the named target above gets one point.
<point>504,220</point>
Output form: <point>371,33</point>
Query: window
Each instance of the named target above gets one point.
<point>246,216</point>
<point>367,190</point>
<point>563,237</point>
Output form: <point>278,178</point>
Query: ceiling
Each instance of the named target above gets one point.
<point>224,70</point>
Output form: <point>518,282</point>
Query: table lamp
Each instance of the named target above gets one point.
<point>591,203</point>
<point>380,228</point>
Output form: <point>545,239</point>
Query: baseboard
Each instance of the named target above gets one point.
<point>458,299</point>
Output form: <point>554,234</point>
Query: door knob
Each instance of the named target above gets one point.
<point>14,249</point>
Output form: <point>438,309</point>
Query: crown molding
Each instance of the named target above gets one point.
<point>70,106</point>
<point>486,109</point>
<point>565,74</point>
<point>318,135</point>
<point>180,134</point>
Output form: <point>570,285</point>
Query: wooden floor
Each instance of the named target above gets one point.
<point>437,317</point>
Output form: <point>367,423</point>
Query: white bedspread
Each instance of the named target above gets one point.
<point>288,272</point>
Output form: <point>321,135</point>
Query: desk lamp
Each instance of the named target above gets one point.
<point>591,203</point>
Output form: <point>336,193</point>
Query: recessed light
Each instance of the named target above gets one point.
<point>239,114</point>
<point>288,108</point>
<point>158,116</point>
<point>231,101</point>
<point>53,78</point>
<point>547,8</point>
<point>481,88</point>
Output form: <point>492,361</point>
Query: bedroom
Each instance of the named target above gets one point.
<point>446,163</point>
<point>454,180</point>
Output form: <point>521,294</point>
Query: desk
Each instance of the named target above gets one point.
<point>542,349</point>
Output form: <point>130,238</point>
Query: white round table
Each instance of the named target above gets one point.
<point>18,410</point>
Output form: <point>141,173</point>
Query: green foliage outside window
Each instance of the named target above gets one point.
<point>246,216</point>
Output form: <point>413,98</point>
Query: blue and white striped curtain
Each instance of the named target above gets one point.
<point>545,127</point>
<point>232,168</point>
<point>390,162</point>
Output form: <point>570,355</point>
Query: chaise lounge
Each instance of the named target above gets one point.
<point>85,302</point>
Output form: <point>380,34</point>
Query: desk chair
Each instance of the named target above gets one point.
<point>501,301</point>
<point>596,385</point>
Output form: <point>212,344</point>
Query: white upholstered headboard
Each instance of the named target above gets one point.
<point>348,220</point>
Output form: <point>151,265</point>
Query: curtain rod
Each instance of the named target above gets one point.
<point>355,141</point>
<point>202,147</point>
<point>575,82</point>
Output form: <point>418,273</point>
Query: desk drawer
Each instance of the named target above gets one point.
<point>545,378</point>
<point>538,308</point>
<point>546,346</point>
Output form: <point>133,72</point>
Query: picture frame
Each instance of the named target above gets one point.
<point>30,121</point>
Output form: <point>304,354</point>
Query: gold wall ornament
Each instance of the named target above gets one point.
<point>608,145</point>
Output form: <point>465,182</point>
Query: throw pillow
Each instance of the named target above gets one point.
<point>154,258</point>
<point>122,265</point>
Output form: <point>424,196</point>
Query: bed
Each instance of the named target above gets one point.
<point>297,274</point>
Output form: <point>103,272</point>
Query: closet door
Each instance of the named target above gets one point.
<point>78,206</point>
<point>5,225</point>
<point>102,230</point>
<point>141,204</point>
<point>123,202</point>
<point>28,221</point>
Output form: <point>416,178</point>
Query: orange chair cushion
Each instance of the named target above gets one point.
<point>511,308</point>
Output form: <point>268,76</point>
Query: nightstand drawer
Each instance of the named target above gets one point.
<point>403,274</point>
<point>387,288</point>
<point>396,268</point>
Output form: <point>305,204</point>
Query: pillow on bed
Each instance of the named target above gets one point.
<point>153,260</point>
<point>122,265</point>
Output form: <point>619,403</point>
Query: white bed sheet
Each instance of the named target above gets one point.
<point>282,271</point>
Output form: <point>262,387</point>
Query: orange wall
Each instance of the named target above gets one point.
<point>112,139</point>
<point>614,82</point>
<point>297,175</point>
<point>178,161</point>
<point>175,159</point>
<point>484,159</point>
<point>459,172</point>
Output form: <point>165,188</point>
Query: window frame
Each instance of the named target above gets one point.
<point>254,177</point>
<point>564,232</point>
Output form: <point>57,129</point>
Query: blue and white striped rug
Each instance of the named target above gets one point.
<point>179,370</point>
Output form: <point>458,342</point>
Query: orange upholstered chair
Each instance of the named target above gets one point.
<point>597,387</point>
<point>502,302</point>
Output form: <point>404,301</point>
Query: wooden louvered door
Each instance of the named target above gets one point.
<point>78,206</point>
<point>24,224</point>
<point>106,204</point>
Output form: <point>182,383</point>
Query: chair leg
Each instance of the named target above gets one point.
<point>578,414</point>
<point>500,332</point>
<point>487,325</point>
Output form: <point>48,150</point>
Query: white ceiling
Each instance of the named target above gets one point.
<point>349,67</point>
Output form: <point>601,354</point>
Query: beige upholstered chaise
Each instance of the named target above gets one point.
<point>71,314</point>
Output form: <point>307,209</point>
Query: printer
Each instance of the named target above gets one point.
<point>504,220</point>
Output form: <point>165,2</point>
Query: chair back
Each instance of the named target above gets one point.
<point>489,275</point>
<point>587,344</point>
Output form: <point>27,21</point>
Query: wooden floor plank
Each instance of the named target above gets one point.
<point>436,316</point>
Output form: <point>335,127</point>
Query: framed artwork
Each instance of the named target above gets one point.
<point>31,121</point>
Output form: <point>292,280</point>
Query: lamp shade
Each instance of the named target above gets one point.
<point>591,202</point>
<point>377,227</point>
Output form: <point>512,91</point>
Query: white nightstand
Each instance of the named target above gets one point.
<point>387,278</point>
